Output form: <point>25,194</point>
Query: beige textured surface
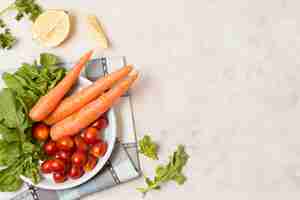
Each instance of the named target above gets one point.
<point>222,77</point>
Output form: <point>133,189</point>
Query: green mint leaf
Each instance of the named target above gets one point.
<point>179,178</point>
<point>170,172</point>
<point>142,190</point>
<point>148,147</point>
<point>161,171</point>
<point>149,182</point>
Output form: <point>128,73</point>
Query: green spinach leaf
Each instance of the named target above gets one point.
<point>11,111</point>
<point>19,152</point>
<point>9,152</point>
<point>47,59</point>
<point>9,134</point>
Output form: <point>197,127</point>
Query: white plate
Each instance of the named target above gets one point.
<point>109,135</point>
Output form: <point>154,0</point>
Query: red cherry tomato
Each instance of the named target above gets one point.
<point>50,148</point>
<point>90,164</point>
<point>46,167</point>
<point>68,166</point>
<point>101,123</point>
<point>79,158</point>
<point>59,177</point>
<point>65,143</point>
<point>75,172</point>
<point>58,165</point>
<point>40,131</point>
<point>80,144</point>
<point>99,149</point>
<point>63,155</point>
<point>90,135</point>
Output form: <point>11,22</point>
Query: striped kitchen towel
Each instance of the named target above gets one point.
<point>123,165</point>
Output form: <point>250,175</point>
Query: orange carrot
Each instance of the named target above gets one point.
<point>73,103</point>
<point>92,111</point>
<point>46,104</point>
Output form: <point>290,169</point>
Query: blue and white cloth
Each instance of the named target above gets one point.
<point>123,165</point>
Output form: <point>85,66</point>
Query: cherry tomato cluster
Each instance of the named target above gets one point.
<point>71,157</point>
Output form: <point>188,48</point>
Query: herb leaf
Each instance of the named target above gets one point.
<point>148,147</point>
<point>19,153</point>
<point>11,110</point>
<point>9,152</point>
<point>10,177</point>
<point>27,7</point>
<point>2,24</point>
<point>7,40</point>
<point>170,172</point>
<point>24,8</point>
<point>8,134</point>
<point>47,59</point>
<point>31,81</point>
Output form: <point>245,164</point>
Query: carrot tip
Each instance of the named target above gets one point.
<point>89,53</point>
<point>130,66</point>
<point>133,73</point>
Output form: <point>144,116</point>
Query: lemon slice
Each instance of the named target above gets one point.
<point>97,31</point>
<point>51,28</point>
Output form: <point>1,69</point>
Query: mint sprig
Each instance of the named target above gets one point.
<point>148,147</point>
<point>170,172</point>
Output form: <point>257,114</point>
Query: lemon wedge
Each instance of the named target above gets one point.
<point>51,28</point>
<point>97,31</point>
